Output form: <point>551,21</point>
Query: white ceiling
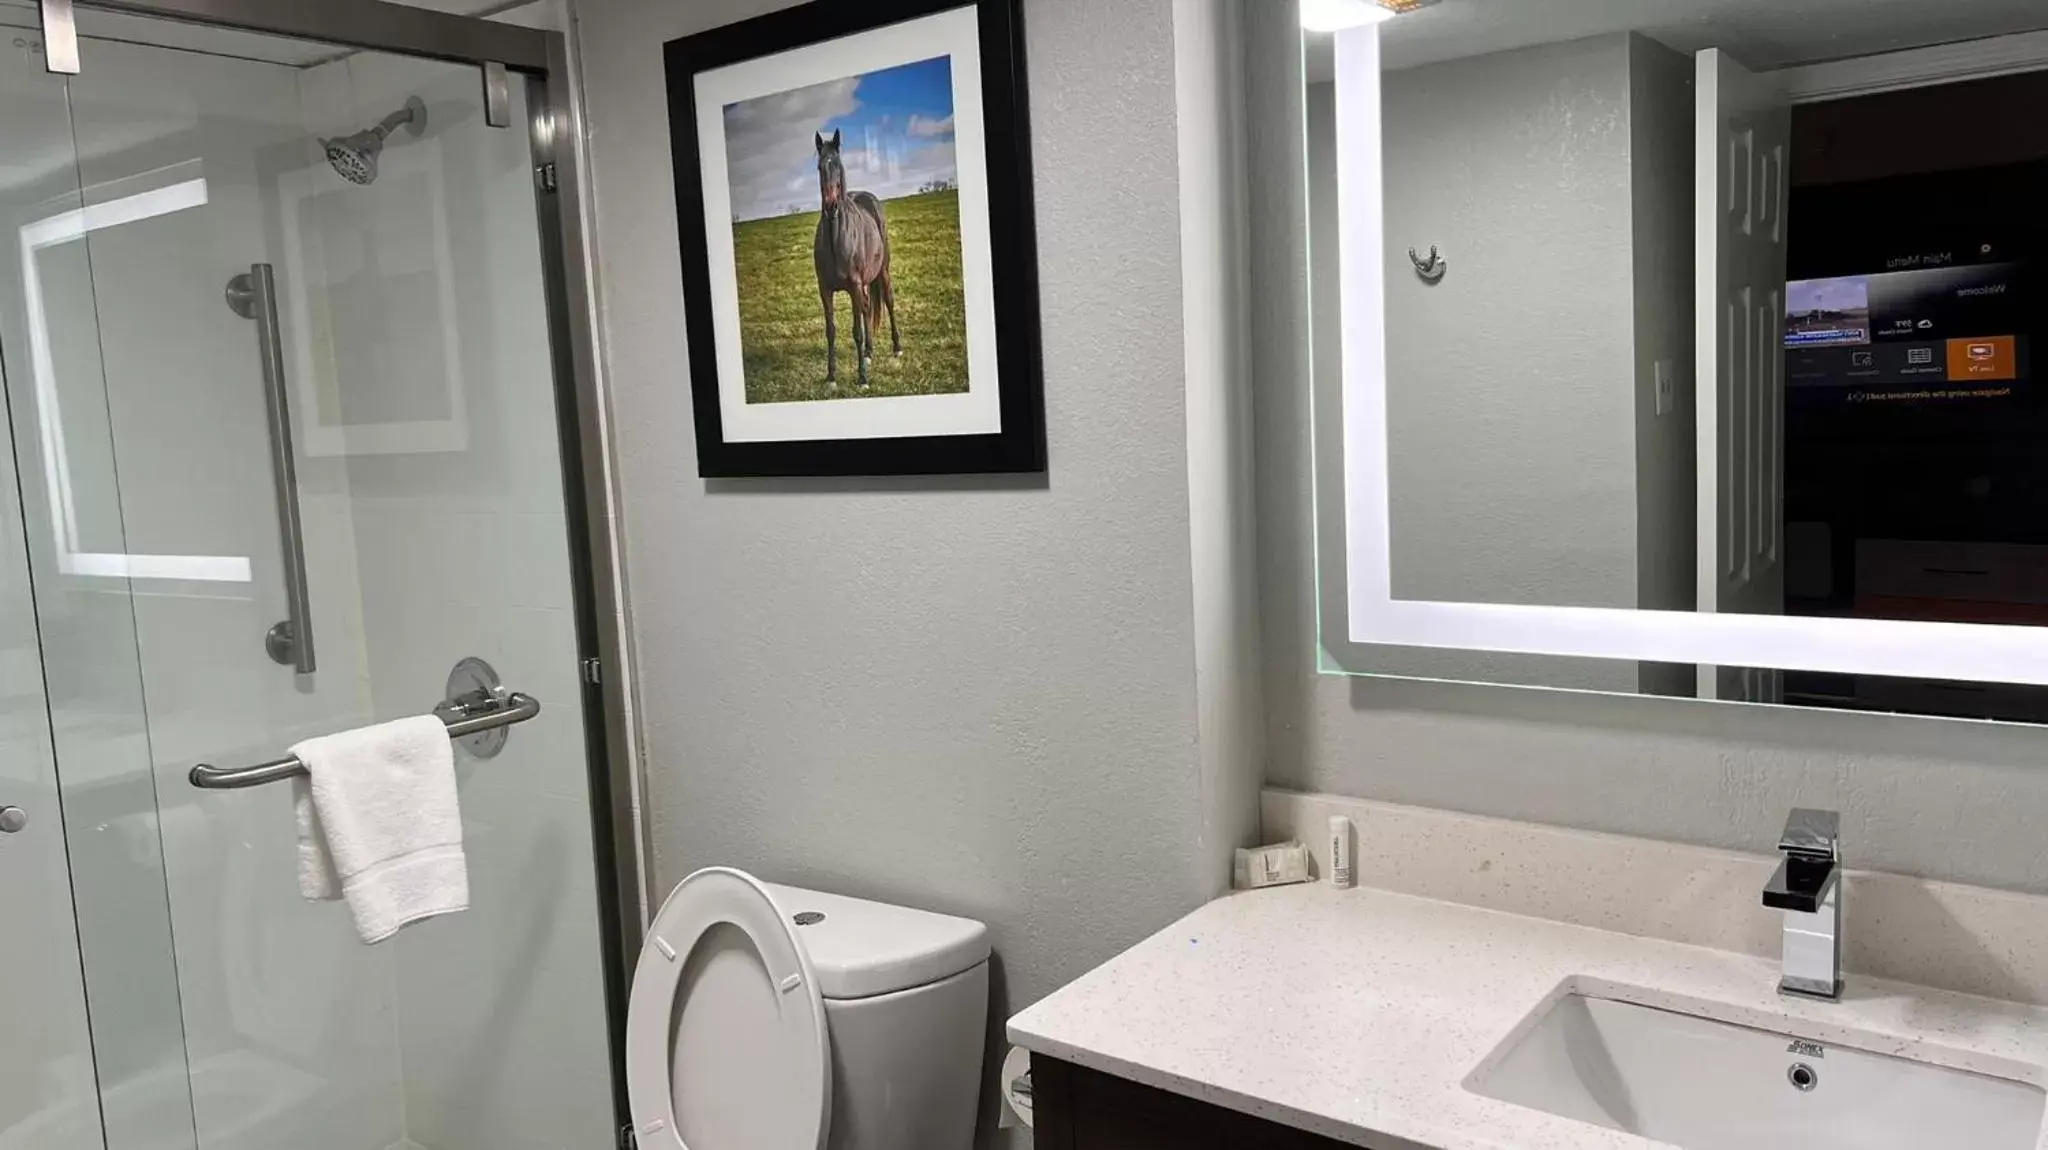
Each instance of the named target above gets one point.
<point>1763,34</point>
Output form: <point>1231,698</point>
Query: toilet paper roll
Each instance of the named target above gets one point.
<point>1016,1103</point>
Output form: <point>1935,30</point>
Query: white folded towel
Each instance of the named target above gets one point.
<point>379,825</point>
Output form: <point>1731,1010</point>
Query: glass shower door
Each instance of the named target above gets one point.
<point>383,308</point>
<point>83,911</point>
<point>48,1090</point>
<point>48,1096</point>
<point>153,512</point>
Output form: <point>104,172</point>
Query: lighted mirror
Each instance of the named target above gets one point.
<point>1683,347</point>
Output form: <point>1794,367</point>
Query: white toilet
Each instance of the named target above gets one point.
<point>765,1017</point>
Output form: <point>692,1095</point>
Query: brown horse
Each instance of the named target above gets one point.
<point>851,252</point>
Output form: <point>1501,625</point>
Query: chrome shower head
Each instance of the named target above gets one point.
<point>355,155</point>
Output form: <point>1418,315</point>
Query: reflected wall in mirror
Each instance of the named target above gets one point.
<point>1684,347</point>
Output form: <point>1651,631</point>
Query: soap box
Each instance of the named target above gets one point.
<point>1275,865</point>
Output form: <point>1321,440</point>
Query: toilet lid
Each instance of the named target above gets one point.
<point>725,1034</point>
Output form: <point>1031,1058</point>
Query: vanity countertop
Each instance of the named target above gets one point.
<point>1358,1014</point>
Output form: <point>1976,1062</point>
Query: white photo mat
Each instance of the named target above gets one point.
<point>977,411</point>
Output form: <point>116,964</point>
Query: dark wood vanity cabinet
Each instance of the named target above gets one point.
<point>1078,1109</point>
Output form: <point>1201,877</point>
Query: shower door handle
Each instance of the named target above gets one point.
<point>253,296</point>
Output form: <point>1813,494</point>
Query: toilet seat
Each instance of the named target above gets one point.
<point>726,1019</point>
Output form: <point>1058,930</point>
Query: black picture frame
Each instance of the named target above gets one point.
<point>1020,444</point>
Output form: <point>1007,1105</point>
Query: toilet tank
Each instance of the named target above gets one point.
<point>906,1008</point>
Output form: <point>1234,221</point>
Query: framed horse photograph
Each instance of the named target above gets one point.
<point>853,201</point>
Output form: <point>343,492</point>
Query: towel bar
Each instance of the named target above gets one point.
<point>463,718</point>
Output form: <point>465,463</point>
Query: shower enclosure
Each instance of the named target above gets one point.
<point>295,349</point>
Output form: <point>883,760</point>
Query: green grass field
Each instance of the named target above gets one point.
<point>782,326</point>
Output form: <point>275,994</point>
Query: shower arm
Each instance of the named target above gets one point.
<point>390,123</point>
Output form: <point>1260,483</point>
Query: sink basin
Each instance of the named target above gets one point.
<point>1706,1085</point>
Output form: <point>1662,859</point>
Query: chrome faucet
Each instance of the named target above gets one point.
<point>1808,888</point>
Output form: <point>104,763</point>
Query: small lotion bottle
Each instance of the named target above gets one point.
<point>1341,873</point>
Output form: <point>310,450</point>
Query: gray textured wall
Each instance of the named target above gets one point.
<point>1946,799</point>
<point>1223,553</point>
<point>975,696</point>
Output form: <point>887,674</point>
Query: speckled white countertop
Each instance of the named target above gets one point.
<point>1358,1014</point>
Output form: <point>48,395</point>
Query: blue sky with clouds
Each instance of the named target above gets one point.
<point>896,129</point>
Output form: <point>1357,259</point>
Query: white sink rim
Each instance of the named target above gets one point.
<point>1800,1020</point>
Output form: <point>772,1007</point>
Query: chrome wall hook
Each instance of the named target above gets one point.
<point>1431,269</point>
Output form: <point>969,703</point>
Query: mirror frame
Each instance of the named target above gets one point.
<point>1976,652</point>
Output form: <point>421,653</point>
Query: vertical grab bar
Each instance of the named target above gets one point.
<point>253,295</point>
